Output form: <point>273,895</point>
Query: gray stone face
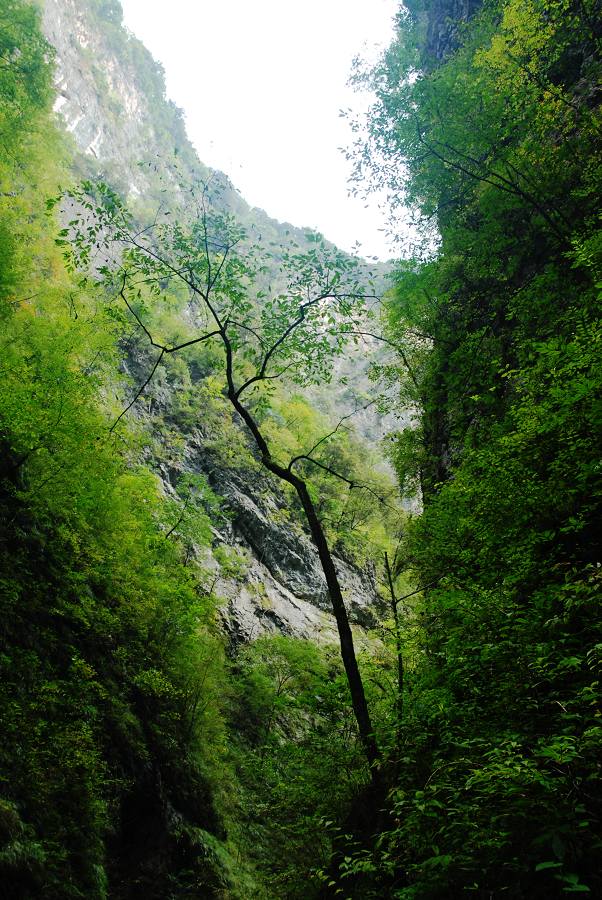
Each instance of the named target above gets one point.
<point>280,587</point>
<point>444,19</point>
<point>86,76</point>
<point>283,588</point>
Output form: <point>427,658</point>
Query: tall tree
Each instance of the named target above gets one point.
<point>295,331</point>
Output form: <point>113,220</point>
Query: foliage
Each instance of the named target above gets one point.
<point>128,742</point>
<point>30,153</point>
<point>117,774</point>
<point>299,760</point>
<point>499,335</point>
<point>110,662</point>
<point>288,333</point>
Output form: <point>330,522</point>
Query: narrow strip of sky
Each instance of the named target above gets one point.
<point>261,83</point>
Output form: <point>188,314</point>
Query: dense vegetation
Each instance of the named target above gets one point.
<point>106,635</point>
<point>142,755</point>
<point>490,130</point>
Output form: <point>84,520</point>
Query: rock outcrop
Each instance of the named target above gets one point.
<point>265,567</point>
<point>281,587</point>
<point>443,21</point>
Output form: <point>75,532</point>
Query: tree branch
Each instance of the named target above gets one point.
<point>502,183</point>
<point>395,346</point>
<point>139,392</point>
<point>330,434</point>
<point>420,589</point>
<point>152,341</point>
<point>326,468</point>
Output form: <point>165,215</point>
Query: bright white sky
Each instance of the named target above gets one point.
<point>261,83</point>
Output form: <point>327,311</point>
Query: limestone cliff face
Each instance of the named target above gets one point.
<point>273,582</point>
<point>110,96</point>
<point>281,586</point>
<point>442,19</point>
<point>92,88</point>
<point>111,99</point>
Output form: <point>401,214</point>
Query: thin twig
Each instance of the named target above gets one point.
<point>138,393</point>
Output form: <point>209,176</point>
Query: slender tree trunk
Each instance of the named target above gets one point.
<point>435,469</point>
<point>399,653</point>
<point>356,687</point>
<point>354,678</point>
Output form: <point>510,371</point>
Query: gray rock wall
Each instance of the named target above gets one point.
<point>281,587</point>
<point>444,17</point>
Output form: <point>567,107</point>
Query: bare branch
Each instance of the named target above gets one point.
<point>419,590</point>
<point>331,433</point>
<point>226,250</point>
<point>249,329</point>
<point>169,533</point>
<point>396,347</point>
<point>501,183</point>
<point>296,323</point>
<point>280,341</point>
<point>352,484</point>
<point>152,341</point>
<point>138,393</point>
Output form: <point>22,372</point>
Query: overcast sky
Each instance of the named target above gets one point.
<point>261,83</point>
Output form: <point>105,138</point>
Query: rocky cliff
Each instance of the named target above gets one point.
<point>111,98</point>
<point>442,22</point>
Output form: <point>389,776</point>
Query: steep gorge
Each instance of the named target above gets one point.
<point>176,718</point>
